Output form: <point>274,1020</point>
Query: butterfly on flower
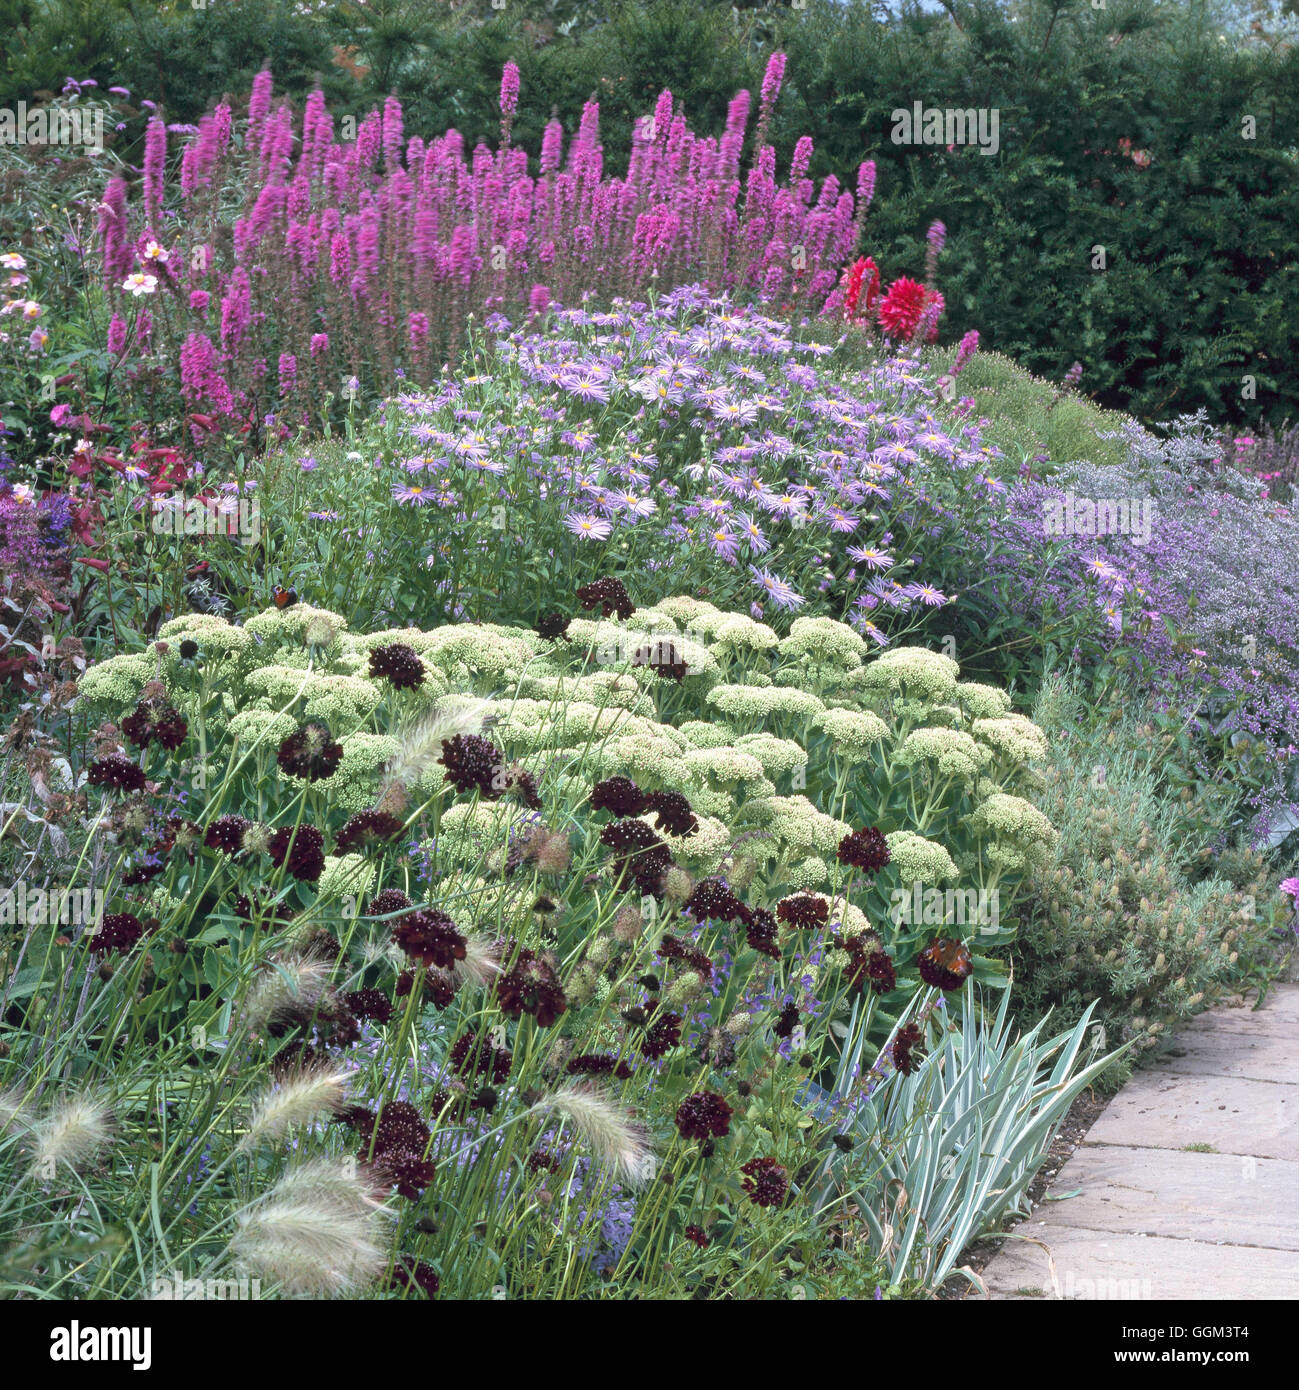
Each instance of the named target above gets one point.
<point>283,597</point>
<point>945,963</point>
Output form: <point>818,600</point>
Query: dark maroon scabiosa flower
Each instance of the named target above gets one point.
<point>674,948</point>
<point>410,1273</point>
<point>399,664</point>
<point>696,1235</point>
<point>155,720</point>
<point>118,931</point>
<point>803,911</point>
<point>868,963</point>
<point>430,937</point>
<point>389,901</point>
<point>543,1161</point>
<point>142,873</point>
<point>638,853</point>
<point>188,649</point>
<point>359,1118</point>
<point>704,1115</point>
<point>598,1064</point>
<point>662,1031</point>
<point>766,1182</point>
<point>784,1026</point>
<point>618,795</point>
<point>310,753</point>
<point>301,849</point>
<point>610,595</point>
<point>945,963</point>
<point>400,1129</point>
<point>472,1055</point>
<point>553,626</point>
<point>366,828</point>
<point>117,772</point>
<point>530,986</point>
<point>672,812</point>
<point>865,849</point>
<point>713,901</point>
<point>761,931</point>
<point>369,1003</point>
<point>472,763</point>
<point>226,834</point>
<point>664,659</point>
<point>908,1048</point>
<point>407,1171</point>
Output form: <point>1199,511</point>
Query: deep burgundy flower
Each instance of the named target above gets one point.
<point>674,948</point>
<point>639,853</point>
<point>310,752</point>
<point>530,986</point>
<point>226,834</point>
<point>369,1003</point>
<point>366,828</point>
<point>118,931</point>
<point>398,663</point>
<point>389,901</point>
<point>359,1118</point>
<point>662,1032</point>
<point>712,900</point>
<point>472,762</point>
<point>408,1272</point>
<point>908,1048</point>
<point>618,795</point>
<point>116,771</point>
<point>672,812</point>
<point>553,626</point>
<point>410,1173</point>
<point>787,1022</point>
<point>543,1161</point>
<point>696,1234</point>
<point>664,659</point>
<point>430,937</point>
<point>154,719</point>
<point>301,849</point>
<point>868,964</point>
<point>766,1182</point>
<point>400,1128</point>
<point>803,910</point>
<point>945,963</point>
<point>761,931</point>
<point>610,595</point>
<point>472,1056</point>
<point>865,849</point>
<point>598,1064</point>
<point>704,1115</point>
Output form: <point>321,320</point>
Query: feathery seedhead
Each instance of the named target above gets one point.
<point>308,1094</point>
<point>71,1133</point>
<point>613,1140</point>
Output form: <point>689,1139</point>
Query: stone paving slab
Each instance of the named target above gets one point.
<point>1189,1179</point>
<point>1216,1198</point>
<point>1103,1265</point>
<point>1230,1114</point>
<point>1256,1056</point>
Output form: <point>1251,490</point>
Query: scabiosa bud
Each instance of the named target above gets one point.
<point>618,795</point>
<point>366,828</point>
<point>398,663</point>
<point>704,1115</point>
<point>662,1032</point>
<point>766,1182</point>
<point>472,1056</point>
<point>226,834</point>
<point>188,649</point>
<point>310,752</point>
<point>369,1004</point>
<point>674,948</point>
<point>118,931</point>
<point>696,1235</point>
<point>598,1064</point>
<point>117,772</point>
<point>864,849</point>
<point>301,850</point>
<point>803,911</point>
<point>430,937</point>
<point>908,1048</point>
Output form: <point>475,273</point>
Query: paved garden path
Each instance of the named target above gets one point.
<point>1188,1183</point>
